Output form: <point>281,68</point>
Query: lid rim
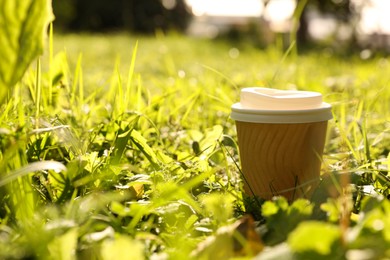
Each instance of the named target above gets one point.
<point>282,116</point>
<point>237,107</point>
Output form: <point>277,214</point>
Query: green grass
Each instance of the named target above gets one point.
<point>122,146</point>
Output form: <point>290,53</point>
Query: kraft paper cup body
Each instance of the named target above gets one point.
<point>280,148</point>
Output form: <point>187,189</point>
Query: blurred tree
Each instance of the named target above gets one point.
<point>65,12</point>
<point>179,15</point>
<point>136,15</point>
<point>340,9</point>
<point>97,15</point>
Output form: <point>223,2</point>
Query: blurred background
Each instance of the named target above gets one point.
<point>340,24</point>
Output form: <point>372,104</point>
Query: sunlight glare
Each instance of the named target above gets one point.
<point>279,13</point>
<point>279,10</point>
<point>375,17</point>
<point>232,8</point>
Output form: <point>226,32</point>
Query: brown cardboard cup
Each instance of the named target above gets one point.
<point>281,149</point>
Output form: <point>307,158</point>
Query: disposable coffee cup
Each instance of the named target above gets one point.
<point>281,137</point>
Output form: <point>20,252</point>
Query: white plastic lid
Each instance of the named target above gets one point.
<point>265,105</point>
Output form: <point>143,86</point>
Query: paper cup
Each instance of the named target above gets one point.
<point>281,137</point>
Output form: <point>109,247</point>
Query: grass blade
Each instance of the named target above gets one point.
<point>75,81</point>
<point>51,64</point>
<point>38,93</point>
<point>32,167</point>
<point>142,145</point>
<point>130,75</point>
<point>286,53</point>
<point>295,26</point>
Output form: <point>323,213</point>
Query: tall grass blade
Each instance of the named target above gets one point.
<point>388,162</point>
<point>32,167</point>
<point>367,152</point>
<point>237,88</point>
<point>192,98</point>
<point>241,173</point>
<point>6,110</point>
<point>139,93</point>
<point>111,96</point>
<point>130,75</point>
<point>81,89</point>
<point>279,67</point>
<point>295,26</point>
<point>48,129</point>
<point>38,90</point>
<point>120,146</point>
<point>119,98</point>
<point>51,64</point>
<point>76,81</point>
<point>190,106</point>
<point>21,107</point>
<point>143,146</point>
<point>345,129</point>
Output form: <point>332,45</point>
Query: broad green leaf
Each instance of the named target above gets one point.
<point>279,211</point>
<point>218,205</point>
<point>373,229</point>
<point>170,191</point>
<point>161,156</point>
<point>122,247</point>
<point>237,240</point>
<point>191,221</point>
<point>93,161</point>
<point>119,209</point>
<point>64,246</point>
<point>210,140</point>
<point>316,239</point>
<point>269,208</point>
<point>23,25</point>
